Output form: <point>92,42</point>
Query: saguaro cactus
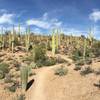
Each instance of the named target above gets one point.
<point>84,51</point>
<point>90,37</point>
<point>12,41</point>
<point>27,38</point>
<point>53,43</point>
<point>57,39</point>
<point>1,39</point>
<point>19,35</point>
<point>24,77</point>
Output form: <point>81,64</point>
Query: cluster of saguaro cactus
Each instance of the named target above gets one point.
<point>27,39</point>
<point>24,77</point>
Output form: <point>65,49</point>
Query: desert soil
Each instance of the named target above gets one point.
<point>48,86</point>
<point>73,86</point>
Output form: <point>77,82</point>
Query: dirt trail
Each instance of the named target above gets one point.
<point>73,86</point>
<point>37,90</point>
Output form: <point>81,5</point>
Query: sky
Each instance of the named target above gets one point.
<point>70,16</point>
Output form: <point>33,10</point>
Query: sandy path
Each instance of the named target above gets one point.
<point>37,91</point>
<point>73,86</point>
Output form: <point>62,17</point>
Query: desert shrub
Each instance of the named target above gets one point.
<point>97,84</point>
<point>61,71</point>
<point>16,64</point>
<point>21,97</point>
<point>77,54</point>
<point>33,65</point>
<point>96,48</point>
<point>97,72</point>
<point>88,61</point>
<point>30,72</point>
<point>2,75</point>
<point>86,70</point>
<point>60,60</point>
<point>28,58</point>
<point>80,62</point>
<point>50,62</point>
<point>47,62</point>
<point>12,88</point>
<point>4,68</point>
<point>8,78</point>
<point>77,67</point>
<point>39,53</point>
<point>39,63</point>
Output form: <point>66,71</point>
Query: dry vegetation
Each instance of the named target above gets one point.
<point>57,67</point>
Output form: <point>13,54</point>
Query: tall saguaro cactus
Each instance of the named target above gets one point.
<point>19,33</point>
<point>84,51</point>
<point>57,39</point>
<point>12,40</point>
<point>1,39</point>
<point>90,37</point>
<point>53,43</point>
<point>27,38</point>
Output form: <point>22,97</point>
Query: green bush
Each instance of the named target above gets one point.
<point>61,71</point>
<point>21,97</point>
<point>77,54</point>
<point>12,88</point>
<point>8,79</point>
<point>33,65</point>
<point>50,62</point>
<point>96,48</point>
<point>39,53</point>
<point>2,75</point>
<point>39,63</point>
<point>4,68</point>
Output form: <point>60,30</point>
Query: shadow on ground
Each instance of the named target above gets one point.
<point>29,84</point>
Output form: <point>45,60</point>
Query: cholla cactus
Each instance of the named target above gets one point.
<point>27,38</point>
<point>53,43</point>
<point>24,77</point>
